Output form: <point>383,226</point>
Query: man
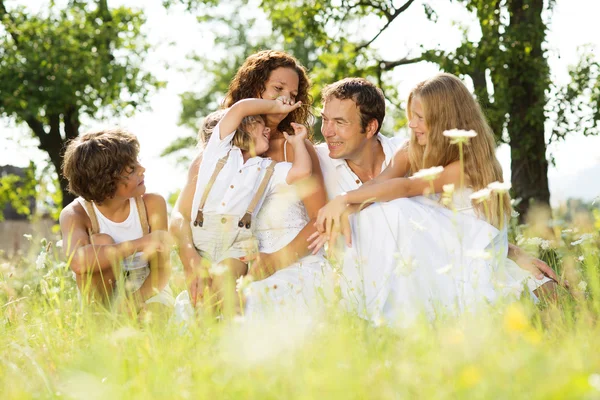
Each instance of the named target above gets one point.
<point>355,151</point>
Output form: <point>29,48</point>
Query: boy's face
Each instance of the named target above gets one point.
<point>260,136</point>
<point>132,182</point>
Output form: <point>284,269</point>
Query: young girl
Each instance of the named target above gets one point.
<point>114,227</point>
<point>232,182</point>
<point>445,251</point>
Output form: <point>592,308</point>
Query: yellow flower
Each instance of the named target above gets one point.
<point>470,376</point>
<point>515,319</point>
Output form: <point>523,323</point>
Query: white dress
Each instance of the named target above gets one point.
<point>425,258</point>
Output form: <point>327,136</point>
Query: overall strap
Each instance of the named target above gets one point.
<point>220,164</point>
<point>247,218</point>
<point>141,208</point>
<point>93,217</point>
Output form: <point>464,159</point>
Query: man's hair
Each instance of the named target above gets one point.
<point>94,163</point>
<point>241,138</point>
<point>368,98</point>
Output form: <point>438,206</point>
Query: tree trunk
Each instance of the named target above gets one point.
<point>528,78</point>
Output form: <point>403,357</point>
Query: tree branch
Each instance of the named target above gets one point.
<point>391,18</point>
<point>388,65</point>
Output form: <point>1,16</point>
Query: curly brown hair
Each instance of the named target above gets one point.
<point>249,82</point>
<point>94,162</point>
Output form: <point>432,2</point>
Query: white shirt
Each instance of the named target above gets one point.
<point>338,176</point>
<point>237,183</point>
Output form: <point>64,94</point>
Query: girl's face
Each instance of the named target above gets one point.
<point>260,136</point>
<point>282,82</point>
<point>417,122</point>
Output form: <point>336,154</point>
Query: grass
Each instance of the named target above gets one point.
<point>53,347</point>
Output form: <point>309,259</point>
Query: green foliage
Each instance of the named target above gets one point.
<point>18,191</point>
<point>61,64</point>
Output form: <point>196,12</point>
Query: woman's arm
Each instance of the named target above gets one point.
<point>196,273</point>
<point>314,197</point>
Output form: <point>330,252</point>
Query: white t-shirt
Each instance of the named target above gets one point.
<point>338,176</point>
<point>237,182</point>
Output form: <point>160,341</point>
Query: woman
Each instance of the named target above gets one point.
<point>436,258</point>
<point>286,219</point>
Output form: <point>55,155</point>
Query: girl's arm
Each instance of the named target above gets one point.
<point>302,165</point>
<point>244,108</point>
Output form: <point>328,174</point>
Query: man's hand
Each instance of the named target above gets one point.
<point>329,217</point>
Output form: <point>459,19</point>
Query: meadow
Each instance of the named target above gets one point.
<point>54,347</point>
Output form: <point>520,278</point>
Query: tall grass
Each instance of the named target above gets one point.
<point>53,347</point>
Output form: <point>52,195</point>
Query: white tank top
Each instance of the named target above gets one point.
<point>130,229</point>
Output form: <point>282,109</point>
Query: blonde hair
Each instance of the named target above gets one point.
<point>448,104</point>
<point>241,138</point>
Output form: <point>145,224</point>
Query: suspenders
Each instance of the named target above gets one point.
<point>246,220</point>
<point>141,208</point>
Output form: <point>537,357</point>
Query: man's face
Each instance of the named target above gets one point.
<point>341,128</point>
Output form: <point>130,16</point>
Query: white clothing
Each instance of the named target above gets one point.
<point>130,229</point>
<point>389,240</point>
<point>237,182</point>
<point>296,290</point>
<point>136,270</point>
<point>338,176</point>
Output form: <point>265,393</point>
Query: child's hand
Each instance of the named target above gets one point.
<point>300,134</point>
<point>284,105</point>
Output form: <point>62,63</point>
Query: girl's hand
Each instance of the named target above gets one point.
<point>300,134</point>
<point>284,105</point>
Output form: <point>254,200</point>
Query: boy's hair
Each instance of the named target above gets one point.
<point>94,162</point>
<point>368,98</point>
<point>241,138</point>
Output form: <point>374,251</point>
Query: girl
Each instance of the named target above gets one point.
<point>231,185</point>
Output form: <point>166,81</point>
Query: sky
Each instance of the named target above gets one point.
<point>175,34</point>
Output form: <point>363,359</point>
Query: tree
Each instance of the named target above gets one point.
<point>507,66</point>
<point>61,65</point>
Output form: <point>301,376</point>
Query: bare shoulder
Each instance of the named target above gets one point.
<point>74,214</point>
<point>155,203</point>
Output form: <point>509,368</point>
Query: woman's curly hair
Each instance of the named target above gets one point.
<point>94,163</point>
<point>250,79</point>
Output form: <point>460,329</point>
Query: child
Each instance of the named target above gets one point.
<point>114,226</point>
<point>231,186</point>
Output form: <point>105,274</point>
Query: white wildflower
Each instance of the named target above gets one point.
<point>405,266</point>
<point>582,238</point>
<point>27,236</point>
<point>459,135</point>
<point>567,230</point>
<point>26,288</point>
<point>597,199</point>
<point>481,195</point>
<point>448,188</point>
<point>520,239</point>
<point>582,286</point>
<point>594,381</point>
<point>217,269</point>
<point>581,258</point>
<point>545,245</point>
<point>40,262</point>
<point>429,174</point>
<point>59,244</point>
<point>44,287</point>
<point>479,254</point>
<point>499,187</point>
<point>514,214</point>
<point>534,241</point>
<point>444,270</point>
<point>243,282</point>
